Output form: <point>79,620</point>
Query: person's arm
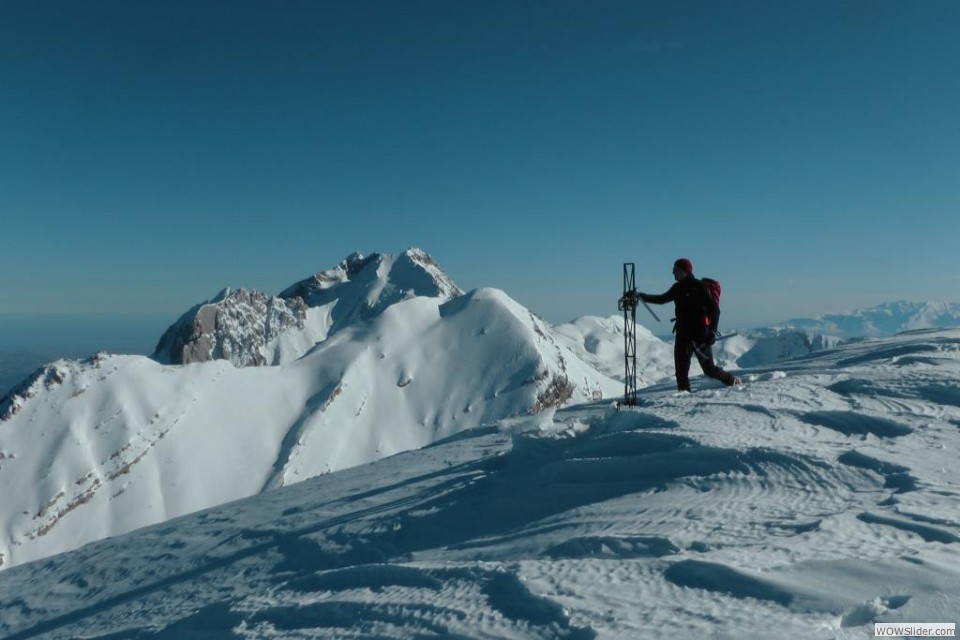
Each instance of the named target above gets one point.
<point>663,298</point>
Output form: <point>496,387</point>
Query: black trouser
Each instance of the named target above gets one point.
<point>683,348</point>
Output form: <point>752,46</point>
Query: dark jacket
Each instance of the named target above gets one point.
<point>697,313</point>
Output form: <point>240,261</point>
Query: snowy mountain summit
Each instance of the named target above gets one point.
<point>250,328</point>
<point>249,392</point>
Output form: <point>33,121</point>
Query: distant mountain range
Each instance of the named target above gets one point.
<point>883,320</point>
<point>803,336</point>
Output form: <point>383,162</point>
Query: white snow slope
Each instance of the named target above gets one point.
<point>818,499</point>
<point>99,447</point>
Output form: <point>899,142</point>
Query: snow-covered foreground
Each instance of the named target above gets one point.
<point>820,498</point>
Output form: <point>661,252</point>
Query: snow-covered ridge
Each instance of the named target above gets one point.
<point>819,499</point>
<point>600,342</point>
<point>390,357</point>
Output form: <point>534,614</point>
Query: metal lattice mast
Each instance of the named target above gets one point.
<point>628,304</point>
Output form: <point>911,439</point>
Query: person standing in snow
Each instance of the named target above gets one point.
<point>697,315</point>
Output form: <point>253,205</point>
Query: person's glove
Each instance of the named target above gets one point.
<point>709,338</point>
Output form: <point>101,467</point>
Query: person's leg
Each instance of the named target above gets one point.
<point>710,368</point>
<point>681,361</point>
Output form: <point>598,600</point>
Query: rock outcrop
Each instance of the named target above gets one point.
<point>243,326</point>
<point>237,325</point>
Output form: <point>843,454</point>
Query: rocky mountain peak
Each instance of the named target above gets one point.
<point>243,326</point>
<point>413,272</point>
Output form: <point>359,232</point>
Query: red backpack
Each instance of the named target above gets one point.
<point>713,288</point>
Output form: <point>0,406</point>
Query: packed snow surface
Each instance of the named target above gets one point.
<point>821,497</point>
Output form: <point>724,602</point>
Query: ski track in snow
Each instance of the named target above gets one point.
<point>818,499</point>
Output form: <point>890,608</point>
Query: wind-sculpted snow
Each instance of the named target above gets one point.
<point>721,578</point>
<point>853,422</point>
<point>750,512</point>
<point>895,476</point>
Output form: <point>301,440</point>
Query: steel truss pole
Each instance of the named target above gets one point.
<point>628,304</point>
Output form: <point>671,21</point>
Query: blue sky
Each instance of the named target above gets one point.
<point>804,153</point>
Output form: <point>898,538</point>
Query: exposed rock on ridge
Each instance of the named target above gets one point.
<point>237,325</point>
<point>242,326</point>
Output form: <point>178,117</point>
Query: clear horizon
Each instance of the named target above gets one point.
<point>803,154</point>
